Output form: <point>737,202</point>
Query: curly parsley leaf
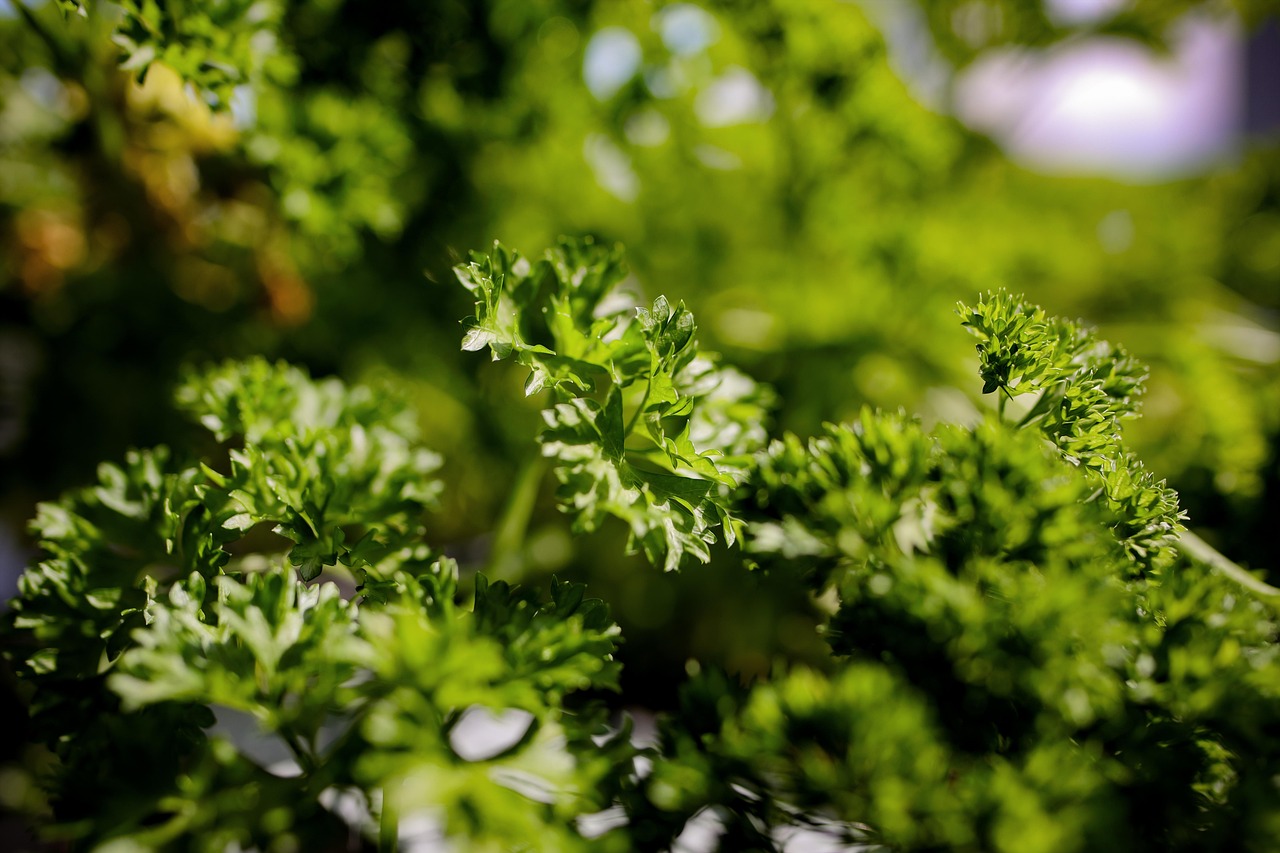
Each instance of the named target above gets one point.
<point>1086,387</point>
<point>318,460</point>
<point>644,427</point>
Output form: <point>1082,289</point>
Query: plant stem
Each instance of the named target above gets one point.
<point>508,538</point>
<point>1205,553</point>
<point>388,826</point>
<point>639,410</point>
<point>300,752</point>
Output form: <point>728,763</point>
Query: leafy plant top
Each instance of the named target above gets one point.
<point>1025,651</point>
<point>643,427</point>
<point>179,595</point>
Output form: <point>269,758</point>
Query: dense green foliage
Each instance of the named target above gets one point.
<point>159,602</point>
<point>1020,657</point>
<point>645,427</point>
<point>876,586</point>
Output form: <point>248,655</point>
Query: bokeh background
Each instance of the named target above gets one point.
<point>820,181</point>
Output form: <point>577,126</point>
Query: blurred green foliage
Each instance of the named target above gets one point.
<point>819,230</point>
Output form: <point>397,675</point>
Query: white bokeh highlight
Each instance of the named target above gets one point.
<point>1113,107</point>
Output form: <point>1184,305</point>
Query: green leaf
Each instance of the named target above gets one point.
<point>611,369</point>
<point>317,457</point>
<point>1086,388</point>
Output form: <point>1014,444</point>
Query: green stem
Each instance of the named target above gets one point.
<point>388,826</point>
<point>639,410</point>
<point>172,829</point>
<point>1005,397</point>
<point>508,538</point>
<point>300,752</point>
<point>1041,407</point>
<point>1200,550</point>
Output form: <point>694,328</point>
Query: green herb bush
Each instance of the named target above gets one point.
<point>187,183</point>
<point>876,588</point>
<point>1023,649</point>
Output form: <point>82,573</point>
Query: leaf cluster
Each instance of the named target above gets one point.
<point>214,46</point>
<point>166,618</point>
<point>644,427</point>
<point>1004,674</point>
<point>1083,389</point>
<point>1022,656</point>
